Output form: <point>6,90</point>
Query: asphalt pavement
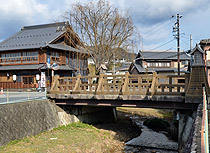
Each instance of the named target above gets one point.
<point>13,97</point>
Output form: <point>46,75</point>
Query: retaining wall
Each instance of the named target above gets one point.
<point>30,118</point>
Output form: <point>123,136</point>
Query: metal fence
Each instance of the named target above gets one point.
<point>21,95</point>
<point>204,126</point>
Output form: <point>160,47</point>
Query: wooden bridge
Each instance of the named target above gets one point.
<point>144,90</point>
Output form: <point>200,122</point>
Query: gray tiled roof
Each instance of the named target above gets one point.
<point>30,37</point>
<point>141,69</point>
<point>22,67</point>
<point>197,47</point>
<point>205,41</point>
<point>164,55</point>
<point>65,67</point>
<point>65,47</point>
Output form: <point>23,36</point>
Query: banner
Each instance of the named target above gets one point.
<point>43,80</point>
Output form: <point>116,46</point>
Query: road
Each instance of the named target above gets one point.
<point>13,97</point>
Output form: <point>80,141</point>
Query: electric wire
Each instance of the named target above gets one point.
<point>148,33</point>
<point>163,44</point>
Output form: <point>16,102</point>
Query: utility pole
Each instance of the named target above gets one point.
<point>191,43</point>
<point>177,36</point>
<point>191,48</point>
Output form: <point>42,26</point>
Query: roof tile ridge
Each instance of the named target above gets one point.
<point>32,27</point>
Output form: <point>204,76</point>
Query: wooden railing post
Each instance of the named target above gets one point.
<point>125,86</point>
<point>89,83</point>
<point>77,85</point>
<point>170,83</point>
<point>100,82</point>
<point>154,83</point>
<point>187,79</point>
<point>55,84</point>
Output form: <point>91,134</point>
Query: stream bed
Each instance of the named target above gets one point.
<point>150,141</point>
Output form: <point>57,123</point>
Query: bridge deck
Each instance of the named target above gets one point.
<point>118,90</point>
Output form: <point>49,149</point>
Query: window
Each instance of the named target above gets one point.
<point>185,62</point>
<point>55,57</point>
<point>28,80</point>
<point>29,57</point>
<point>14,58</point>
<point>158,64</point>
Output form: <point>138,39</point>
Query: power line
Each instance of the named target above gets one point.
<point>163,44</point>
<point>185,42</point>
<point>175,55</point>
<point>149,32</point>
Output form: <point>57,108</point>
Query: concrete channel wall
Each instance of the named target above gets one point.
<point>30,118</point>
<point>196,139</point>
<point>190,139</point>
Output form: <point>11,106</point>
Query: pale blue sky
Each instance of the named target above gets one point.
<point>152,17</point>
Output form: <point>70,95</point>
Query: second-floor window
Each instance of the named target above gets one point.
<point>29,57</point>
<point>19,57</point>
<point>159,64</point>
<point>55,57</point>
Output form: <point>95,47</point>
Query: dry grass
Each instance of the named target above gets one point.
<point>147,112</point>
<point>80,137</point>
<point>76,137</point>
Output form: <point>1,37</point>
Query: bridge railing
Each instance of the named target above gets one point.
<point>144,84</point>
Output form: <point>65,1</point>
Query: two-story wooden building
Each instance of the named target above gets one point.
<point>159,61</point>
<point>24,56</point>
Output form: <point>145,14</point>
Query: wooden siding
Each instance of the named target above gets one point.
<point>62,58</point>
<point>15,85</point>
<point>42,57</point>
<point>4,78</point>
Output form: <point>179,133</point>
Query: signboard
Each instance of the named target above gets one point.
<point>55,66</point>
<point>43,80</point>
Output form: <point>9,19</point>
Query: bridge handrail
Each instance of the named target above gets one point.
<point>204,126</point>
<point>127,84</point>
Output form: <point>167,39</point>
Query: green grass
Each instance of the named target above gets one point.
<point>75,137</point>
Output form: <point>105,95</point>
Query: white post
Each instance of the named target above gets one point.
<point>7,96</point>
<point>28,94</point>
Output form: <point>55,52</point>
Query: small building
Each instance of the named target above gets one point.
<point>102,68</point>
<point>198,56</point>
<point>160,62</point>
<point>28,55</point>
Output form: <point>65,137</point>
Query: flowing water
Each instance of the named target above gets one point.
<point>150,141</point>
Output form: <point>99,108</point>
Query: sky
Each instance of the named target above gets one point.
<point>153,19</point>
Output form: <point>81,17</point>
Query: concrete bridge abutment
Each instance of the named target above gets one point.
<point>92,114</point>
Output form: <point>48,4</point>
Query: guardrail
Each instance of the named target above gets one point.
<point>20,95</point>
<point>145,84</point>
<point>204,126</point>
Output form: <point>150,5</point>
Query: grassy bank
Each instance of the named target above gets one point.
<point>76,137</point>
<point>146,112</point>
<point>80,137</point>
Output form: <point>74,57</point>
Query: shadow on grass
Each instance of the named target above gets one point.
<point>124,128</point>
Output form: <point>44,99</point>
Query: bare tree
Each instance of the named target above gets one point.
<point>102,29</point>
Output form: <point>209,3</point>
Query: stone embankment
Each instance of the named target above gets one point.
<point>30,118</point>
